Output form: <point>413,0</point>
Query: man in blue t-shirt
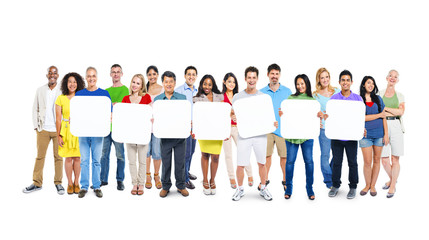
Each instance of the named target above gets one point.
<point>278,93</point>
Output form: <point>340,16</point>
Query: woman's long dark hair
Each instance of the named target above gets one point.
<point>373,94</point>
<point>307,85</point>
<point>228,75</point>
<point>200,88</point>
<point>147,71</point>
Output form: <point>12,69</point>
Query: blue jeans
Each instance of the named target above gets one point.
<point>325,152</point>
<point>105,159</point>
<point>154,148</point>
<point>90,146</point>
<point>190,149</point>
<point>307,153</point>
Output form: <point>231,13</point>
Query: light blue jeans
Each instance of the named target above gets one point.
<point>325,155</point>
<point>90,147</point>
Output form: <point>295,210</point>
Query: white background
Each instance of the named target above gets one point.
<point>365,37</point>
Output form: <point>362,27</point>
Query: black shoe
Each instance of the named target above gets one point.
<point>31,188</point>
<point>121,186</point>
<point>103,184</point>
<point>60,189</point>
<point>98,193</point>
<point>192,177</point>
<point>189,185</point>
<point>82,193</point>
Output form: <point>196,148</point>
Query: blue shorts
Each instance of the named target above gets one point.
<point>154,148</point>
<point>368,142</point>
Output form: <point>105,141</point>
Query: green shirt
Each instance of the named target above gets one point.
<point>391,102</point>
<point>301,96</point>
<point>118,93</point>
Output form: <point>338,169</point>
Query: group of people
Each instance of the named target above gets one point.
<point>382,139</point>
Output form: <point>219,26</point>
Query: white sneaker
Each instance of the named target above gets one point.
<point>237,195</point>
<point>267,195</point>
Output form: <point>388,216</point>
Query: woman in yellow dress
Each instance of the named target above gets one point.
<point>68,144</point>
<point>208,92</point>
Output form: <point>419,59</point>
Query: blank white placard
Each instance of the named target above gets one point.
<point>211,120</point>
<point>172,118</point>
<point>346,120</point>
<point>90,116</point>
<point>299,119</point>
<point>131,123</point>
<point>255,115</point>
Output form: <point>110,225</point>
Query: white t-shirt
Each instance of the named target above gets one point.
<point>49,124</point>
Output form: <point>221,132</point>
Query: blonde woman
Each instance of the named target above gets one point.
<point>138,95</point>
<point>395,107</point>
<point>323,93</point>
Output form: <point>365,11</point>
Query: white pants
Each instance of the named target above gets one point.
<point>396,139</point>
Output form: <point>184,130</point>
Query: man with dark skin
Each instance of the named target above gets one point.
<point>44,124</point>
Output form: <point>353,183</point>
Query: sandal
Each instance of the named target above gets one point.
<point>287,196</point>
<point>312,197</point>
<point>140,190</point>
<point>148,184</point>
<point>284,185</point>
<point>212,188</point>
<point>233,183</point>
<point>134,191</point>
<point>158,183</point>
<point>250,180</point>
<point>206,188</point>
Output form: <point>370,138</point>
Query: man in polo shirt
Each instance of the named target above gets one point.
<point>189,90</point>
<point>117,92</point>
<point>169,144</point>
<point>278,93</point>
<point>44,124</point>
<point>338,146</point>
<point>257,143</point>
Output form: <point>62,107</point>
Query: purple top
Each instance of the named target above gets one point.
<point>352,97</point>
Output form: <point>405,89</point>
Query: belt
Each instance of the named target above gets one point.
<point>392,118</point>
<point>67,121</point>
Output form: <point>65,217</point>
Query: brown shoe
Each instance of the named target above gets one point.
<point>184,192</point>
<point>70,189</point>
<point>76,188</point>
<point>163,193</point>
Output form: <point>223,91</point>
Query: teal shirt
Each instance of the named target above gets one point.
<point>301,96</point>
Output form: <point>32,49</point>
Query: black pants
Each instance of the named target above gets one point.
<point>167,147</point>
<point>338,147</point>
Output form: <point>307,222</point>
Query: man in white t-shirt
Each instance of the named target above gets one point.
<point>257,143</point>
<point>44,124</point>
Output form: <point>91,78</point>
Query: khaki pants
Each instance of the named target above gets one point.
<point>43,139</point>
<point>137,176</point>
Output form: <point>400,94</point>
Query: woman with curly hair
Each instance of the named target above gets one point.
<point>68,144</point>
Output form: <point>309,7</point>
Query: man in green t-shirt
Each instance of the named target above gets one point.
<point>117,92</point>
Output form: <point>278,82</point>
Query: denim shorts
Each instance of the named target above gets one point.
<point>154,148</point>
<point>368,142</point>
